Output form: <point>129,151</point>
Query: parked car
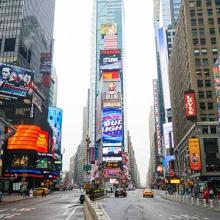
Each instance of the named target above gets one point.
<point>39,190</point>
<point>148,193</point>
<point>120,192</point>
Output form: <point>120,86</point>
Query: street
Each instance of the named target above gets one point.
<point>58,205</point>
<point>134,206</point>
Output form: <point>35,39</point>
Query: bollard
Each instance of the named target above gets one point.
<point>184,198</point>
<point>197,201</point>
<point>204,203</point>
<point>211,203</point>
<point>192,200</point>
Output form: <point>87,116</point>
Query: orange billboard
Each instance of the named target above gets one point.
<point>29,137</point>
<point>194,154</point>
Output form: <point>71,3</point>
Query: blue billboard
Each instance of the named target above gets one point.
<point>55,120</point>
<point>112,129</point>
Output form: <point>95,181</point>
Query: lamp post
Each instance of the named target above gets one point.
<point>88,141</point>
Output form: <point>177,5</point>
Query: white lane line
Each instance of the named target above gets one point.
<point>71,214</point>
<point>9,216</point>
<point>103,210</point>
<point>2,210</point>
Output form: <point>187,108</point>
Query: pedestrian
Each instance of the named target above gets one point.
<point>1,195</point>
<point>31,192</point>
<point>206,194</point>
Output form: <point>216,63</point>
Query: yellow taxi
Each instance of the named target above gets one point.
<point>148,193</point>
<point>39,190</point>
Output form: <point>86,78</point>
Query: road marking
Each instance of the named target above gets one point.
<point>72,213</point>
<point>103,210</point>
<point>2,210</point>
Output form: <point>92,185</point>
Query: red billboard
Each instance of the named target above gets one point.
<point>190,105</point>
<point>29,137</point>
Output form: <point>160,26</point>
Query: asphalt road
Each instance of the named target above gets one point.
<point>135,207</point>
<point>58,205</point>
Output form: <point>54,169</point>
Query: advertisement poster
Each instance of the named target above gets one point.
<point>112,129</point>
<point>45,63</point>
<point>111,94</point>
<point>109,75</point>
<point>109,29</point>
<point>110,42</point>
<point>190,105</point>
<point>216,74</point>
<point>194,154</point>
<point>15,81</point>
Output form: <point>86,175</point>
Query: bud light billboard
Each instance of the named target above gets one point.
<point>112,129</point>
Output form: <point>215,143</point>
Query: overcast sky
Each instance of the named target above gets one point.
<point>72,61</point>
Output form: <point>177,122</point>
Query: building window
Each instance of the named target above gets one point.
<point>192,12</point>
<point>195,41</point>
<point>212,30</point>
<point>213,40</point>
<point>194,32</point>
<point>213,129</point>
<point>202,41</point>
<point>206,72</point>
<point>210,105</point>
<point>197,62</point>
<point>211,154</point>
<point>201,31</point>
<point>204,118</point>
<point>205,61</point>
<point>211,21</point>
<point>209,94</point>
<point>211,117</point>
<point>218,11</point>
<point>200,83</point>
<point>193,22</point>
<point>205,129</point>
<point>202,105</point>
<point>204,51</point>
<point>198,3</point>
<point>196,52</point>
<point>209,2</point>
<point>199,12</point>
<point>200,21</point>
<point>214,51</point>
<point>208,83</point>
<point>209,11</point>
<point>201,94</point>
<point>9,44</point>
<point>198,72</point>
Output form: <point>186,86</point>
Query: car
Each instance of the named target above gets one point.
<point>148,193</point>
<point>120,192</point>
<point>39,190</point>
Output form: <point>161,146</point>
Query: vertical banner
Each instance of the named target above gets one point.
<point>194,154</point>
<point>216,74</point>
<point>190,105</point>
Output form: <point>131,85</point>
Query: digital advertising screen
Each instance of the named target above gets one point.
<point>112,129</point>
<point>45,63</point>
<point>107,159</point>
<point>42,163</point>
<point>29,137</point>
<point>15,81</point>
<point>110,75</point>
<point>109,29</point>
<point>112,151</point>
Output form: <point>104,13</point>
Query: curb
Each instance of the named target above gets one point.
<point>17,200</point>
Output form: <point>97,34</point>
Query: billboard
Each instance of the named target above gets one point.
<point>112,151</point>
<point>45,63</point>
<point>111,94</point>
<point>190,105</point>
<point>194,154</point>
<point>109,29</point>
<point>29,137</point>
<point>112,130</point>
<point>55,116</point>
<point>168,135</point>
<point>110,75</point>
<point>15,81</point>
<point>107,159</point>
<point>110,59</point>
<point>110,42</point>
<point>216,74</point>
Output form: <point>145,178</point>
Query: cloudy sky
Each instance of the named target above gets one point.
<point>72,61</point>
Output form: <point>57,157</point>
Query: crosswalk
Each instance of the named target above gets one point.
<point>10,213</point>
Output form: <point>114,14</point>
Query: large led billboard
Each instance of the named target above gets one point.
<point>15,81</point>
<point>111,94</point>
<point>110,59</point>
<point>112,129</point>
<point>109,159</point>
<point>112,151</point>
<point>29,137</point>
<point>55,120</point>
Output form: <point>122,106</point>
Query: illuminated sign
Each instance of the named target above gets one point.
<point>109,75</point>
<point>194,154</point>
<point>29,137</point>
<point>175,181</point>
<point>112,130</point>
<point>112,164</point>
<point>190,105</point>
<point>110,59</point>
<point>109,29</point>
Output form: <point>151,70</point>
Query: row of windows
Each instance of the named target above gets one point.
<point>201,83</point>
<point>200,13</point>
<point>199,72</point>
<point>202,41</point>
<point>204,51</point>
<point>203,93</point>
<point>9,45</point>
<point>198,3</point>
<point>204,106</point>
<point>200,21</point>
<point>203,61</point>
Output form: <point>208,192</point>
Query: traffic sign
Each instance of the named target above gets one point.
<point>87,167</point>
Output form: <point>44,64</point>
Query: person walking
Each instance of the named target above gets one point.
<point>206,194</point>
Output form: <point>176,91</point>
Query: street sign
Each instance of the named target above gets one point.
<point>87,167</point>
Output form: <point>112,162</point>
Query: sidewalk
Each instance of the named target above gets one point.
<point>213,204</point>
<point>14,197</point>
